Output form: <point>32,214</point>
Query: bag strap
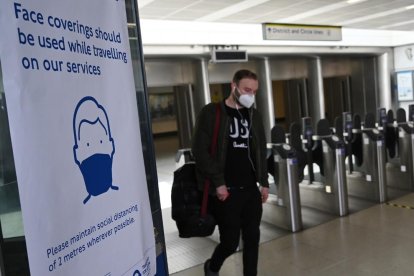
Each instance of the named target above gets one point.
<point>212,151</point>
<point>213,146</point>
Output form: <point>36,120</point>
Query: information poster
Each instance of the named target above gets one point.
<point>71,100</point>
<point>405,86</point>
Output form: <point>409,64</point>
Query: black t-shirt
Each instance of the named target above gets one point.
<point>239,170</point>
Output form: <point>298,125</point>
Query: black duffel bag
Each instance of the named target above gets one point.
<point>187,202</point>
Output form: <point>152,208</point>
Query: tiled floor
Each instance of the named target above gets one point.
<point>375,241</point>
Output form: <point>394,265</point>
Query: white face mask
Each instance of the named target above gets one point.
<point>246,100</point>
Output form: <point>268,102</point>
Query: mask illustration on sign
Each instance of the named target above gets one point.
<point>94,146</point>
<point>246,100</point>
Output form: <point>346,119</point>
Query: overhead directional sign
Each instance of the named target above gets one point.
<point>274,31</point>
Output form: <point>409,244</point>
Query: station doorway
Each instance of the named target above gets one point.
<point>290,101</point>
<point>337,93</point>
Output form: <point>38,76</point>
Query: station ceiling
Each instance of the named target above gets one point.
<point>361,14</point>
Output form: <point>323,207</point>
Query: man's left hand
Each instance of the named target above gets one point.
<point>265,193</point>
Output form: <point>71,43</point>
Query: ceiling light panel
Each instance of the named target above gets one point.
<point>279,4</point>
<point>316,11</point>
<point>405,28</point>
<point>185,10</point>
<point>390,19</point>
<point>185,15</point>
<point>360,9</point>
<point>272,15</point>
<point>374,15</point>
<point>169,4</point>
<point>144,3</point>
<point>354,1</point>
<point>154,13</point>
<point>253,11</point>
<point>320,12</point>
<point>352,13</point>
<point>209,6</point>
<point>398,24</point>
<point>224,2</point>
<point>250,15</point>
<point>240,6</point>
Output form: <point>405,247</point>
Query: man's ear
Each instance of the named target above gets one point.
<point>233,86</point>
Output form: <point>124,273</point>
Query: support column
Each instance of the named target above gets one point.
<point>384,81</point>
<point>264,99</point>
<point>202,89</point>
<point>316,96</point>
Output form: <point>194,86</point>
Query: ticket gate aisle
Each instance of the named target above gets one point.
<point>283,206</point>
<point>367,178</point>
<point>326,191</point>
<point>400,157</point>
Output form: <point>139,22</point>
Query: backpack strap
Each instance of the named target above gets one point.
<point>212,151</point>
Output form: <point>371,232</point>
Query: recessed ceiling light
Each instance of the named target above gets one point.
<point>409,7</point>
<point>354,1</point>
<point>232,9</point>
<point>373,16</point>
<point>143,3</point>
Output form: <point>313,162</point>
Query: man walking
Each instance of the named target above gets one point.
<point>235,171</point>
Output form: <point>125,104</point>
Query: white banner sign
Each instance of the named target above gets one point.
<point>70,92</point>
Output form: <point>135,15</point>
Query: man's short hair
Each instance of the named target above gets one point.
<point>243,74</point>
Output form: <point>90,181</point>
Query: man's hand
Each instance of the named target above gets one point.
<point>265,193</point>
<point>222,192</point>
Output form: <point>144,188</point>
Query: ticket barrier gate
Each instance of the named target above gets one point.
<point>401,166</point>
<point>348,129</point>
<point>368,178</point>
<point>327,150</point>
<point>284,210</point>
<point>390,129</point>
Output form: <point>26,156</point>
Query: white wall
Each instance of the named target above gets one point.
<point>168,72</point>
<point>404,58</point>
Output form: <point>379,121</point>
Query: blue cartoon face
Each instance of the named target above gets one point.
<point>93,139</point>
<point>94,147</point>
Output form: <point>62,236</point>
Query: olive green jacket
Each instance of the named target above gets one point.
<point>213,167</point>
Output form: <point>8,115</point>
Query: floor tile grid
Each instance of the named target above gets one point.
<point>375,241</point>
